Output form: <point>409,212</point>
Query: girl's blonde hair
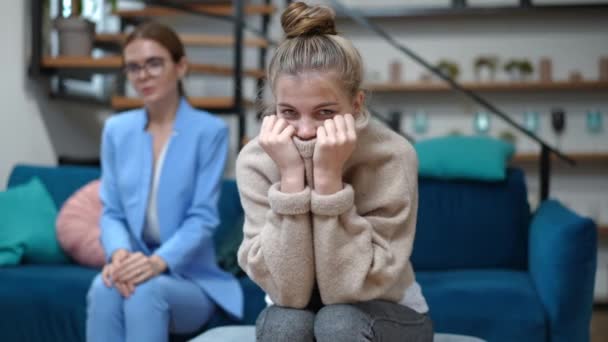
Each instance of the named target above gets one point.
<point>312,43</point>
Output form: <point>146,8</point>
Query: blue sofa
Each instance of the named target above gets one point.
<point>487,266</point>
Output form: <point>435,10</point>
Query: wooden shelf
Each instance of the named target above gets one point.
<point>190,39</point>
<point>437,86</point>
<point>579,157</point>
<point>208,103</point>
<point>602,231</point>
<point>411,12</point>
<point>217,9</point>
<point>114,63</point>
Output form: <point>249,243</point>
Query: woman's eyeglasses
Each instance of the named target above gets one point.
<point>153,66</point>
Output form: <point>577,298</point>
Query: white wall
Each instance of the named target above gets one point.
<point>32,128</point>
<point>23,136</point>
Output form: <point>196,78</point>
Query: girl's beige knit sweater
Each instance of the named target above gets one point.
<point>355,244</point>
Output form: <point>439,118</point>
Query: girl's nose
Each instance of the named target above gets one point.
<point>307,131</point>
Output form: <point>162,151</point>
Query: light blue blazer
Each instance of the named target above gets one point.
<point>188,192</point>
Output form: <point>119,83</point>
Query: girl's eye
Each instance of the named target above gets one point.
<point>327,112</point>
<point>288,113</point>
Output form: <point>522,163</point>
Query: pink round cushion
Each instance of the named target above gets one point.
<point>78,226</point>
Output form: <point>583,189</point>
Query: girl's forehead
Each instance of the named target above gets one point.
<point>308,85</point>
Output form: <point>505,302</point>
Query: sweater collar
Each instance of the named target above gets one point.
<point>305,147</point>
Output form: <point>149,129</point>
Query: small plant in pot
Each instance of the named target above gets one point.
<point>519,69</point>
<point>485,68</point>
<point>508,136</point>
<point>448,68</point>
<point>76,33</point>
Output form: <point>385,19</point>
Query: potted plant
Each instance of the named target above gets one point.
<point>508,136</point>
<point>76,33</point>
<point>485,68</point>
<point>455,132</point>
<point>448,68</point>
<point>519,69</point>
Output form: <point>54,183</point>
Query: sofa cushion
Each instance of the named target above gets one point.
<point>494,305</point>
<point>469,224</point>
<point>60,181</point>
<point>78,226</point>
<point>464,157</point>
<point>27,226</point>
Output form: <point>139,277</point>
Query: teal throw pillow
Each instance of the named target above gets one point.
<point>464,157</point>
<point>27,226</point>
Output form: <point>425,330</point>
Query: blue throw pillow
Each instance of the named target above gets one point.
<point>464,157</point>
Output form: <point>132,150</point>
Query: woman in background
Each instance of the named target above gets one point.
<point>161,171</point>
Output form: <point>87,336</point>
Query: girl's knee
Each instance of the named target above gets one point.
<point>341,322</point>
<point>284,324</point>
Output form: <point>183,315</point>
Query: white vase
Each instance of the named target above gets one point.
<point>484,74</point>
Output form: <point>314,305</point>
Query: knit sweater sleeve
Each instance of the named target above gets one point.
<point>276,251</point>
<point>363,234</point>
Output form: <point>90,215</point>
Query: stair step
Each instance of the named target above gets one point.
<point>190,39</point>
<point>115,62</point>
<point>217,9</point>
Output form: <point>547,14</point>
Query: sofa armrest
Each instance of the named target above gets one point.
<point>562,263</point>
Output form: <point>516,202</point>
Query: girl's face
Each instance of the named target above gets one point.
<point>306,100</point>
<point>151,70</point>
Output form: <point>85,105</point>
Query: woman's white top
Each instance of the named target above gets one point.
<point>151,232</point>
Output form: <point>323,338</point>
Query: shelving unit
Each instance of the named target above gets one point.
<point>459,8</point>
<point>530,86</point>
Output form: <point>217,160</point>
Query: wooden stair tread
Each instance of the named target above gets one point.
<point>213,9</point>
<point>190,39</point>
<point>123,103</point>
<point>115,62</point>
<point>79,62</point>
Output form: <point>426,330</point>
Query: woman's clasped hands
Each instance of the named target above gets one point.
<point>127,270</point>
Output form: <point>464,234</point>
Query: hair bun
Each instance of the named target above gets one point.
<point>299,19</point>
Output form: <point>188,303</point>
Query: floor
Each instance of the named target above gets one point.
<point>599,325</point>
